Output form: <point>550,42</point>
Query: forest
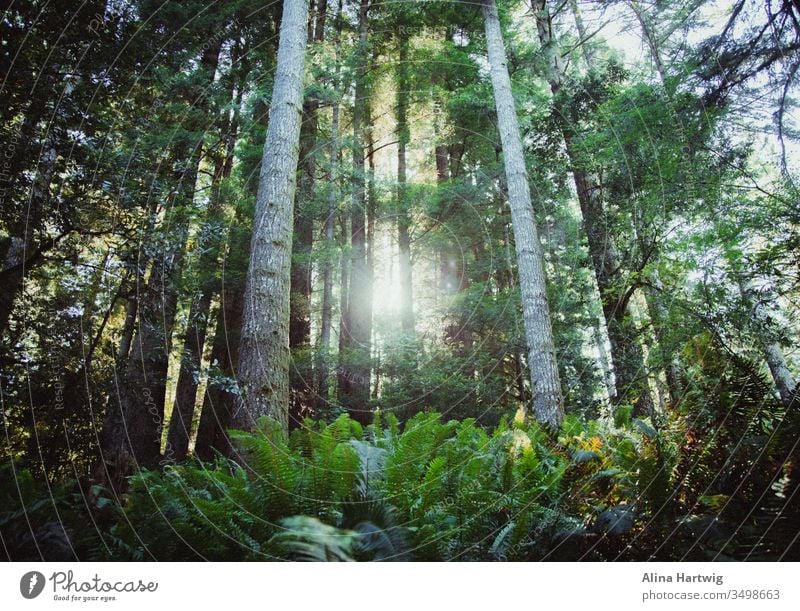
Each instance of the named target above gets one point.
<point>365,280</point>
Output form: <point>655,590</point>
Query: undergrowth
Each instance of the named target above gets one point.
<point>437,490</point>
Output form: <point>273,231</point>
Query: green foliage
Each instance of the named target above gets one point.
<point>105,165</point>
<point>54,522</point>
<point>436,490</point>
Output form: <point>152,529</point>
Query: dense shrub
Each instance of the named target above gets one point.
<point>716,479</point>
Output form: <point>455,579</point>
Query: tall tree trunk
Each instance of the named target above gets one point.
<point>221,392</point>
<point>129,325</point>
<point>658,312</point>
<point>132,433</point>
<point>452,275</point>
<point>548,406</point>
<point>264,350</point>
<point>209,246</point>
<point>323,351</point>
<point>651,39</point>
<point>344,299</point>
<point>510,282</point>
<point>369,247</point>
<point>316,32</point>
<point>322,367</point>
<point>599,332</point>
<point>354,377</point>
<point>138,288</point>
<point>403,216</point>
<point>302,245</point>
<point>220,396</point>
<point>322,357</point>
<point>626,351</point>
<point>659,316</point>
<point>782,376</point>
<point>302,375</point>
<point>586,48</point>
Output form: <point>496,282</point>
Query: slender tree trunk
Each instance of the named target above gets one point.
<point>511,282</point>
<point>659,314</point>
<point>209,247</point>
<point>221,392</point>
<point>782,376</point>
<point>548,406</point>
<point>403,216</point>
<point>626,351</point>
<point>133,429</point>
<point>220,396</point>
<point>264,350</point>
<point>138,288</point>
<point>323,352</point>
<point>344,299</point>
<point>599,331</point>
<point>194,342</point>
<point>586,47</point>
<point>302,245</point>
<point>322,367</point>
<point>650,38</point>
<point>452,275</point>
<point>369,247</point>
<point>447,263</point>
<point>129,326</point>
<point>354,375</point>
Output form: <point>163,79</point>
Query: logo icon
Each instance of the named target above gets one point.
<point>31,584</point>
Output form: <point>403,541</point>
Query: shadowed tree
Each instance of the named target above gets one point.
<point>626,351</point>
<point>355,343</point>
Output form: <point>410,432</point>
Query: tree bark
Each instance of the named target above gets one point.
<point>209,246</point>
<point>355,367</point>
<point>403,217</point>
<point>302,245</point>
<point>782,376</point>
<point>264,350</point>
<point>626,352</point>
<point>650,38</point>
<point>132,432</point>
<point>586,48</point>
<point>548,407</point>
<point>323,351</point>
<point>220,396</point>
